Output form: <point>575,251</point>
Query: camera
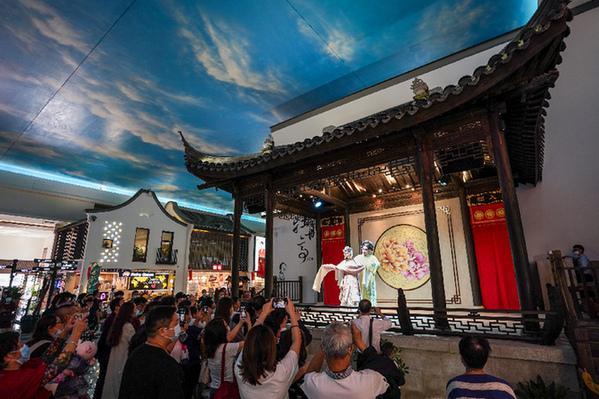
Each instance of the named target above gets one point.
<point>279,303</point>
<point>242,312</point>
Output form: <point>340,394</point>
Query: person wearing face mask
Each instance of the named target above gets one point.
<point>48,328</point>
<point>150,371</point>
<point>24,378</point>
<point>140,304</point>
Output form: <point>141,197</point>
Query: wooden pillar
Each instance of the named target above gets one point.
<point>318,241</point>
<point>268,274</point>
<point>347,230</point>
<point>470,253</point>
<point>512,212</point>
<point>238,209</point>
<point>424,162</point>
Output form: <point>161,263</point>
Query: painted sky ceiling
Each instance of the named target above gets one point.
<point>220,71</point>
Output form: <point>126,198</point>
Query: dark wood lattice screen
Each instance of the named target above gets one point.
<point>69,242</point>
<point>212,248</point>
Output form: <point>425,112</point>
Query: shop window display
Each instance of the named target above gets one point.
<point>140,246</point>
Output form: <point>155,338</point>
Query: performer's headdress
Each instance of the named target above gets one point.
<point>348,250</point>
<point>369,245</point>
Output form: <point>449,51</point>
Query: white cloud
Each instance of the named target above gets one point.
<point>265,118</point>
<point>337,43</point>
<point>159,92</point>
<point>223,53</point>
<point>53,26</point>
<point>166,187</point>
<point>444,24</point>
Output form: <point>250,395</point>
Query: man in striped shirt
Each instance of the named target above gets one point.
<point>475,383</point>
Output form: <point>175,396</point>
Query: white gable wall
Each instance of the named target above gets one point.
<point>143,212</point>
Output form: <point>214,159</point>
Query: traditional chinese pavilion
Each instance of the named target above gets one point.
<point>482,135</point>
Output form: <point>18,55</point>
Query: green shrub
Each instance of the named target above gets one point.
<point>396,357</point>
<point>538,389</point>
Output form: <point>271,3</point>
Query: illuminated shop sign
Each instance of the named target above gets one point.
<point>149,281</point>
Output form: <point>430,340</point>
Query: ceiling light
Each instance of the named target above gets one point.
<point>380,190</point>
<point>317,202</point>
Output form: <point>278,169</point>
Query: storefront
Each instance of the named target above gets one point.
<point>211,255</point>
<point>136,246</point>
<point>149,283</point>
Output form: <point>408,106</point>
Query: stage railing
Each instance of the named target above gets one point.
<point>499,324</point>
<point>289,289</point>
<point>581,284</point>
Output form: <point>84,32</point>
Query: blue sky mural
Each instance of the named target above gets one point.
<point>221,71</point>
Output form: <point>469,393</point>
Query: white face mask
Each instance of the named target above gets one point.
<point>25,352</point>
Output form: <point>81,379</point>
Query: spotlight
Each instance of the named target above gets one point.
<point>317,203</point>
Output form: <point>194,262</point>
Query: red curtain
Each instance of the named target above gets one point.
<point>493,257</point>
<point>262,262</point>
<point>333,241</point>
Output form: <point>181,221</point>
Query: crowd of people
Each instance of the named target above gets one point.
<point>183,347</point>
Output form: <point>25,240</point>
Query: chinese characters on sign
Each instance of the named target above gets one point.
<point>305,230</point>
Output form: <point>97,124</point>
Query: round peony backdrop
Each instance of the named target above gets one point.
<point>403,254</point>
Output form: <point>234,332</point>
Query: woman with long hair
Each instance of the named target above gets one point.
<point>257,371</point>
<point>118,340</point>
<point>224,312</point>
<point>216,345</point>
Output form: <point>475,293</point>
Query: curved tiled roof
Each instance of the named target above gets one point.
<point>208,221</point>
<point>210,166</point>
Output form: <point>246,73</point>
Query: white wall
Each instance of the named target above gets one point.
<point>380,100</point>
<point>25,244</point>
<point>456,275</point>
<point>25,238</point>
<point>295,253</point>
<point>564,208</point>
<point>143,213</point>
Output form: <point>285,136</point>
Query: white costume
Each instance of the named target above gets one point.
<point>346,274</point>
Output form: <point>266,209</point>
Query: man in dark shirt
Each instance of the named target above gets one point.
<point>150,372</point>
<point>370,359</point>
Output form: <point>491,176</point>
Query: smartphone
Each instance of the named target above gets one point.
<point>279,303</point>
<point>182,313</point>
<point>242,312</point>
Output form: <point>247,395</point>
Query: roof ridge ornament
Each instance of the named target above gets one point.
<point>268,145</point>
<point>420,89</point>
<point>329,129</point>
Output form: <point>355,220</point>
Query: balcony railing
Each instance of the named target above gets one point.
<point>166,259</point>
